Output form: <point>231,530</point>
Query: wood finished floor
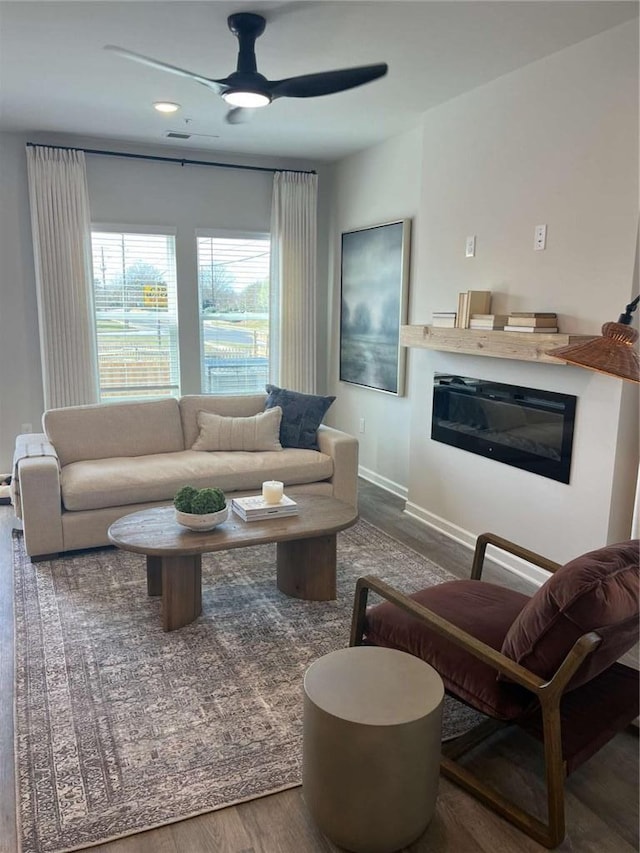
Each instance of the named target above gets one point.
<point>602,796</point>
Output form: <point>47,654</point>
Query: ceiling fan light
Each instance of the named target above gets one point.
<point>243,98</point>
<point>166,107</point>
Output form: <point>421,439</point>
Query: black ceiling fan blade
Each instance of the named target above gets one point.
<point>239,115</point>
<point>326,82</point>
<point>218,86</point>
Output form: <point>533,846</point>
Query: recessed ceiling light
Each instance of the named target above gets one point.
<point>166,107</point>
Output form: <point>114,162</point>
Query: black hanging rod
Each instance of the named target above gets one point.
<point>183,161</point>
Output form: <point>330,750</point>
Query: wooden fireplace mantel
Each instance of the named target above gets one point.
<point>523,346</point>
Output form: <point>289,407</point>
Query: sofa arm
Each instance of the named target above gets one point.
<point>343,449</point>
<point>38,485</point>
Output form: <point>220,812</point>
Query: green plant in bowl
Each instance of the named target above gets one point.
<point>184,497</point>
<point>200,509</point>
<point>208,500</point>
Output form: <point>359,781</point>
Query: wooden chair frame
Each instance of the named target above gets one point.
<point>548,694</point>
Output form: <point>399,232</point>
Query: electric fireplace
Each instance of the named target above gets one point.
<point>523,427</point>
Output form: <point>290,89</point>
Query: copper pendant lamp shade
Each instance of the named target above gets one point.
<point>613,353</point>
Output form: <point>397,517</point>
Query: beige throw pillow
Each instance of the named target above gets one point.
<point>260,432</point>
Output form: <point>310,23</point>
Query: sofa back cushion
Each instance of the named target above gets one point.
<point>598,591</point>
<point>111,430</point>
<point>237,406</point>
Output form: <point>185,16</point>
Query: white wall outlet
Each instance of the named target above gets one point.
<point>540,238</point>
<point>26,428</point>
<point>361,424</point>
<point>470,246</point>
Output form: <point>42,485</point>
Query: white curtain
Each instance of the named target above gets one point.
<point>61,232</point>
<point>293,281</point>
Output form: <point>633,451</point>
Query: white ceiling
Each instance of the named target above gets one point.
<point>55,76</point>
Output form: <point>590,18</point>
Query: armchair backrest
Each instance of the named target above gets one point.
<point>599,591</point>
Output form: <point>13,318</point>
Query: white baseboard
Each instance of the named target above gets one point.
<point>384,483</point>
<point>465,537</point>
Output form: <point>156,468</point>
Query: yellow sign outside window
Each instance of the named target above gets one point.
<point>155,295</point>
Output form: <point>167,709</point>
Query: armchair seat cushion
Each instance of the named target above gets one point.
<point>485,611</point>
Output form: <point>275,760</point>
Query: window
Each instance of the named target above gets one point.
<point>134,278</point>
<point>233,282</point>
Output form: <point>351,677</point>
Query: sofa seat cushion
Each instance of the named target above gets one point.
<point>99,483</point>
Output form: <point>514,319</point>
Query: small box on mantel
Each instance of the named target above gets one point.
<point>533,319</point>
<point>488,321</point>
<point>545,330</point>
<point>444,319</point>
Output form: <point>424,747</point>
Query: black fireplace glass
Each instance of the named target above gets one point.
<point>524,427</point>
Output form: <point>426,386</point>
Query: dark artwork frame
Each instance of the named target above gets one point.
<point>373,305</point>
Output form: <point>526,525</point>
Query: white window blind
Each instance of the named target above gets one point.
<point>233,281</point>
<point>134,278</point>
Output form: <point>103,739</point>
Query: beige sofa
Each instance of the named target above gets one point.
<point>94,464</point>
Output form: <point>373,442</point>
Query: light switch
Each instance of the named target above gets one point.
<point>470,247</point>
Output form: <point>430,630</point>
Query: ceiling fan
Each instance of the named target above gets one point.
<point>246,89</point>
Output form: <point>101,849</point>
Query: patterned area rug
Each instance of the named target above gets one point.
<point>121,727</point>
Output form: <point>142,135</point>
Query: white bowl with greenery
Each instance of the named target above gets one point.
<point>200,509</point>
<point>202,521</point>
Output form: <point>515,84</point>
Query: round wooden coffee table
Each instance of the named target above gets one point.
<point>306,551</point>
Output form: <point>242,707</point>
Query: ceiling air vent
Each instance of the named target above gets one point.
<point>175,134</point>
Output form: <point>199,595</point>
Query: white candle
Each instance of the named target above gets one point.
<point>272,491</point>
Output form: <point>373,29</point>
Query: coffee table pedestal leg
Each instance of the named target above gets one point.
<point>154,575</point>
<point>181,590</point>
<point>307,568</point>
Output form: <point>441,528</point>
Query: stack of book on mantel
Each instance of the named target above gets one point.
<point>488,321</point>
<point>472,302</point>
<point>255,508</point>
<point>532,321</point>
<point>444,319</point>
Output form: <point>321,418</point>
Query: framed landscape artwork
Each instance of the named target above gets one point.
<point>373,305</point>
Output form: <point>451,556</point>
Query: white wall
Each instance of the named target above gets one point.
<point>127,192</point>
<point>379,185</point>
<point>555,142</point>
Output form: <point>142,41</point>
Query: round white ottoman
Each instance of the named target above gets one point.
<point>371,747</point>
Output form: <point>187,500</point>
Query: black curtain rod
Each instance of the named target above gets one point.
<point>181,161</point>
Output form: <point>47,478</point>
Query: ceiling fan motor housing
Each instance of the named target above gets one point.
<point>246,26</point>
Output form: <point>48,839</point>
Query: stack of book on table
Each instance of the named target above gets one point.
<point>488,321</point>
<point>472,302</point>
<point>255,508</point>
<point>532,321</point>
<point>444,319</point>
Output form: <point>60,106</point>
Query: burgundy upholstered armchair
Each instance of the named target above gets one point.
<point>547,663</point>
